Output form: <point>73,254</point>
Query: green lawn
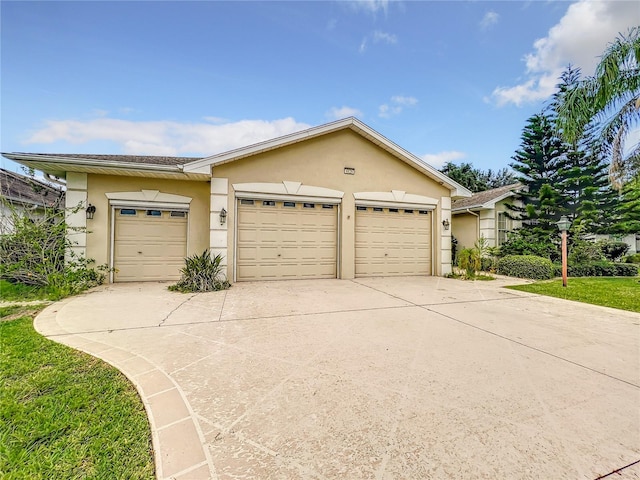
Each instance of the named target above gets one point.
<point>18,292</point>
<point>65,414</point>
<point>615,292</point>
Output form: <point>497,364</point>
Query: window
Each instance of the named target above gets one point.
<point>408,211</point>
<point>327,206</point>
<point>179,214</point>
<point>361,209</point>
<point>154,213</point>
<point>268,203</point>
<point>504,227</point>
<point>128,211</point>
<point>423,212</point>
<point>309,205</point>
<point>290,204</point>
<point>245,201</point>
<point>378,209</point>
<point>393,210</point>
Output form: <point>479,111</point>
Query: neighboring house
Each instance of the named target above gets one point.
<point>25,195</point>
<point>483,215</point>
<point>335,201</point>
<point>631,239</point>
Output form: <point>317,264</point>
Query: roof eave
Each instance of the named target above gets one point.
<point>53,165</point>
<point>352,123</point>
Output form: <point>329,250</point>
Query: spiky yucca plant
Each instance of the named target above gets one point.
<point>202,273</point>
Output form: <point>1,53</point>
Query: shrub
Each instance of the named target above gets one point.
<point>202,273</point>
<point>526,242</point>
<point>612,250</point>
<point>526,266</point>
<point>599,269</point>
<point>584,251</point>
<point>36,251</point>
<point>635,258</point>
<point>470,261</point>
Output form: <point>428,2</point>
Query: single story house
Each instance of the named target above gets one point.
<point>484,215</point>
<point>334,201</point>
<point>23,195</point>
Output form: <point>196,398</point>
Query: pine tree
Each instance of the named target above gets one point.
<point>628,208</point>
<point>588,199</point>
<point>536,163</point>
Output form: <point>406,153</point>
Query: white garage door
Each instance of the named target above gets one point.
<point>149,245</point>
<point>392,241</point>
<point>286,240</point>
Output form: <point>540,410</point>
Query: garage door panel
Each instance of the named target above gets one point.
<point>286,242</point>
<point>149,248</point>
<point>392,243</point>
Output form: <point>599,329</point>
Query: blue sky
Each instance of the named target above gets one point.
<point>446,80</point>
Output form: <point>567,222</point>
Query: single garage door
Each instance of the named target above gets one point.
<point>150,245</point>
<point>280,240</point>
<point>392,241</point>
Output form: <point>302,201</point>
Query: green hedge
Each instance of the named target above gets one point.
<point>526,266</point>
<point>599,269</point>
<point>635,258</point>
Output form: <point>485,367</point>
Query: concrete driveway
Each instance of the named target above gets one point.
<point>395,378</point>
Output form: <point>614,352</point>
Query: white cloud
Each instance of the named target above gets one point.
<point>369,6</point>
<point>438,160</point>
<point>396,105</point>
<point>336,113</point>
<point>166,137</point>
<point>363,45</point>
<point>402,100</point>
<point>489,20</point>
<point>579,38</point>
<point>379,36</point>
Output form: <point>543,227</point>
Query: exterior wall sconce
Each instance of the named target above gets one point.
<point>91,210</point>
<point>446,224</point>
<point>223,216</point>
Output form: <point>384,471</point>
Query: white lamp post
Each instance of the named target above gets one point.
<point>563,225</point>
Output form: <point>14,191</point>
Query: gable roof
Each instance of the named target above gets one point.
<point>486,199</point>
<point>58,164</point>
<point>351,123</point>
<point>200,168</point>
<point>23,190</point>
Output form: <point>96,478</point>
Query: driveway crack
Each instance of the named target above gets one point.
<point>175,309</point>
<point>618,471</point>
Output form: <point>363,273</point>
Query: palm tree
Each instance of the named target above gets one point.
<point>610,101</point>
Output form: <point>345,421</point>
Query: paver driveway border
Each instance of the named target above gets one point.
<point>597,345</point>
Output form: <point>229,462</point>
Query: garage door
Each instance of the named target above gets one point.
<point>149,245</point>
<point>286,240</point>
<point>392,241</point>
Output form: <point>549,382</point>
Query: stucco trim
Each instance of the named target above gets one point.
<point>394,199</point>
<point>147,196</point>
<point>287,190</point>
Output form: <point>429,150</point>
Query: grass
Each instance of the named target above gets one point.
<point>65,414</point>
<point>616,292</point>
<point>19,292</point>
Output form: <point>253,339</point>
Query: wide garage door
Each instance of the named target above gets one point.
<point>392,241</point>
<point>286,240</point>
<point>149,245</point>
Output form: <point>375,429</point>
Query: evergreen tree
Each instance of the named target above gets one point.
<point>628,208</point>
<point>582,179</point>
<point>478,180</point>
<point>536,163</point>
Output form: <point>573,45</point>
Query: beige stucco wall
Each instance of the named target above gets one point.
<point>321,162</point>
<point>464,226</point>
<point>98,236</point>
